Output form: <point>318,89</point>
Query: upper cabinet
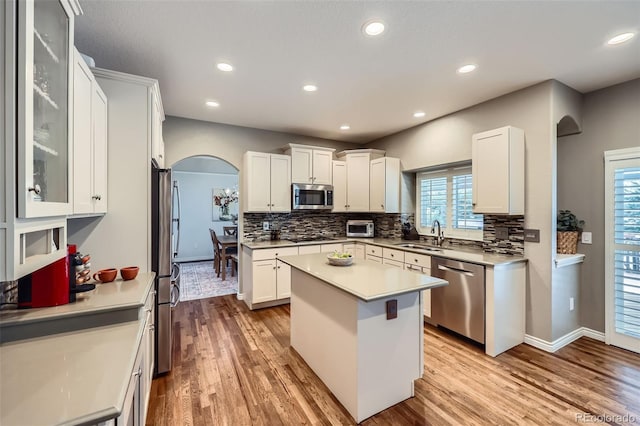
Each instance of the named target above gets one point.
<point>339,186</point>
<point>45,79</point>
<point>498,171</point>
<point>267,182</point>
<point>311,165</point>
<point>89,141</point>
<point>157,143</point>
<point>384,185</point>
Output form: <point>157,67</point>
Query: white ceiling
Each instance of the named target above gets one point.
<point>373,84</point>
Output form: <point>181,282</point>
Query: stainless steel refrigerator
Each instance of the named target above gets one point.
<point>165,234</point>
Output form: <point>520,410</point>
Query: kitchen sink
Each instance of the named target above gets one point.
<point>418,247</point>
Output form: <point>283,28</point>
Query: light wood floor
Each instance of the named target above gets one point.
<point>232,366</point>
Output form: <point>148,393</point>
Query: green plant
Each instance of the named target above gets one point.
<point>568,221</point>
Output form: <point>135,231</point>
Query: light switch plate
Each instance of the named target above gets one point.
<point>586,238</point>
<point>265,226</point>
<point>532,235</point>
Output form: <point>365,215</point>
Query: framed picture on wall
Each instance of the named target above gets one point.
<point>225,204</point>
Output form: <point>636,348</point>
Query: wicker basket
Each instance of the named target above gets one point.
<point>567,242</point>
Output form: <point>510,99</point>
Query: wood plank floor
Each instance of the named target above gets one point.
<point>232,366</point>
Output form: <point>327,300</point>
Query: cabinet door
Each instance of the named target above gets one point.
<point>283,280</point>
<point>358,182</point>
<point>45,108</point>
<point>82,137</point>
<point>280,183</point>
<point>156,130</point>
<point>100,152</point>
<point>264,281</point>
<point>490,171</point>
<point>322,167</point>
<point>302,165</point>
<point>360,252</point>
<point>258,182</point>
<point>339,186</point>
<point>377,185</point>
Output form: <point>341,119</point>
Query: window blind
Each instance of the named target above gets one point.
<point>462,204</point>
<point>627,259</point>
<point>433,201</point>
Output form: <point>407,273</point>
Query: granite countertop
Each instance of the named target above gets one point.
<point>457,253</point>
<point>367,281</point>
<point>113,296</point>
<point>79,377</point>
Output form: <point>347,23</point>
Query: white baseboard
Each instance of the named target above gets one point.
<point>564,340</point>
<point>240,296</point>
<point>193,259</point>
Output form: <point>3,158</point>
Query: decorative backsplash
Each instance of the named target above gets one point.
<point>324,224</point>
<point>8,294</point>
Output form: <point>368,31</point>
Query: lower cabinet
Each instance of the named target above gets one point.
<point>133,406</point>
<point>420,263</point>
<point>272,280</point>
<point>356,250</point>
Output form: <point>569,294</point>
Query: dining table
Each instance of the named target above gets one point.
<point>226,242</point>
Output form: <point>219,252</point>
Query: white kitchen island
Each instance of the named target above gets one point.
<point>339,326</point>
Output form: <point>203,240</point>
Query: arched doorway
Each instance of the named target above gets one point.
<point>208,199</point>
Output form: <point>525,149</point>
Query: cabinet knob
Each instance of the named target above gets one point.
<point>382,205</point>
<point>97,197</point>
<point>278,267</point>
<point>391,254</point>
<point>36,188</point>
<point>274,267</point>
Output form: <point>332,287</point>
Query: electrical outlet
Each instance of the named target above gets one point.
<point>571,304</point>
<point>586,238</point>
<point>265,226</point>
<point>502,233</point>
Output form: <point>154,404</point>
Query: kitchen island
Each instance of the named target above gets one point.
<point>344,325</point>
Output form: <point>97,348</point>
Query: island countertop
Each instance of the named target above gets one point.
<point>367,281</point>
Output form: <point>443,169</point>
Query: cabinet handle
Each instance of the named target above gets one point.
<point>97,197</point>
<point>137,373</point>
<point>152,327</point>
<point>149,309</point>
<point>36,188</point>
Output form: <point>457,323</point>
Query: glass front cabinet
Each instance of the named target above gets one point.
<point>45,35</point>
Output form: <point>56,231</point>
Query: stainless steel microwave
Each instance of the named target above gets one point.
<point>360,228</point>
<point>311,197</point>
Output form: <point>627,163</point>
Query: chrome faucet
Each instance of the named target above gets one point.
<point>440,234</point>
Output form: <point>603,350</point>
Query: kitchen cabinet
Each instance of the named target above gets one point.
<point>497,168</point>
<point>356,250</point>
<point>157,142</point>
<point>351,183</point>
<point>373,253</point>
<point>148,340</point>
<point>311,165</point>
<point>339,186</point>
<point>330,248</point>
<point>267,182</point>
<point>265,278</point>
<point>132,412</point>
<point>309,249</point>
<point>384,185</point>
<point>420,263</point>
<point>89,141</point>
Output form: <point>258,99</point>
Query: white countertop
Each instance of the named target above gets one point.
<point>365,280</point>
<point>113,296</point>
<point>69,378</point>
<point>457,253</point>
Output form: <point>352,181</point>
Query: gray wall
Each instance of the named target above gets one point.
<point>198,213</point>
<point>611,120</point>
<point>184,138</point>
<point>448,140</point>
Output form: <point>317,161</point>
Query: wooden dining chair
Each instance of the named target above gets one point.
<point>230,230</point>
<point>216,251</point>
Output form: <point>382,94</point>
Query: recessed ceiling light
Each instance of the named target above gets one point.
<point>419,114</point>
<point>309,88</point>
<point>620,38</point>
<point>345,127</point>
<point>466,68</point>
<point>212,104</point>
<point>373,28</point>
<point>223,66</point>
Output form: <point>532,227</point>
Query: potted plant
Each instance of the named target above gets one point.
<point>569,229</point>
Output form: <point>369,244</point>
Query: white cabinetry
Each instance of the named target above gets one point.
<point>311,165</point>
<point>267,182</point>
<point>498,171</point>
<point>420,263</point>
<point>157,143</point>
<point>356,250</point>
<point>351,183</point>
<point>130,130</point>
<point>384,185</point>
<point>265,278</point>
<point>89,141</point>
<point>339,186</point>
<point>373,253</point>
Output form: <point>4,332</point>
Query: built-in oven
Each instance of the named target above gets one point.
<point>360,228</point>
<point>311,197</point>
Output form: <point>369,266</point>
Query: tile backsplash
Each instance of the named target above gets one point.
<point>326,224</point>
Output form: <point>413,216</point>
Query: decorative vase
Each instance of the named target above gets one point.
<point>224,212</point>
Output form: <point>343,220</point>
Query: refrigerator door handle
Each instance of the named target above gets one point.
<point>176,189</point>
<point>175,295</point>
<point>175,273</point>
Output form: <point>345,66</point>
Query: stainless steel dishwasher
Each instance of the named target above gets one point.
<point>459,306</point>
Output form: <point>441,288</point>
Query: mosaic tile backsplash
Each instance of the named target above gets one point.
<point>324,224</point>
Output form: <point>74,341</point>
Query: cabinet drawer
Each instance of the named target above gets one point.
<point>393,254</point>
<point>421,260</point>
<point>266,254</point>
<point>416,268</point>
<point>391,262</point>
<point>373,250</point>
<point>376,259</point>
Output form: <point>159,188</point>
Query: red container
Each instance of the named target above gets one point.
<point>48,286</point>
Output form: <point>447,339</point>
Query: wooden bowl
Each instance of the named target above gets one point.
<point>129,273</point>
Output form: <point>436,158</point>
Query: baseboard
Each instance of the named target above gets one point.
<point>193,259</point>
<point>564,340</point>
<point>240,296</point>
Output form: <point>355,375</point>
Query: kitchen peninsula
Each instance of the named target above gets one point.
<point>359,328</point>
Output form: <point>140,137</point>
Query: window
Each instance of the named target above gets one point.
<point>445,196</point>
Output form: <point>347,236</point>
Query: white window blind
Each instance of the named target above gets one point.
<point>446,196</point>
<point>627,257</point>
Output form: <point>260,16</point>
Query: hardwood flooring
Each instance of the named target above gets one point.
<point>232,366</point>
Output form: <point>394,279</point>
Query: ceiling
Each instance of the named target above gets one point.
<point>374,84</point>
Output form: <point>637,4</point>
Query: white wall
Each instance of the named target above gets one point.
<point>198,212</point>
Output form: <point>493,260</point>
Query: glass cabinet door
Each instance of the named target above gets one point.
<point>44,144</point>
